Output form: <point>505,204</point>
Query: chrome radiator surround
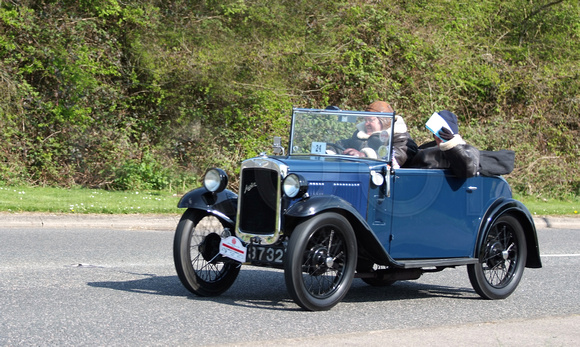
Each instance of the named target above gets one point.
<point>258,218</point>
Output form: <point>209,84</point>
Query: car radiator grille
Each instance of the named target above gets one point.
<point>259,201</point>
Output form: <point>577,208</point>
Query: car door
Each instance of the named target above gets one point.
<point>434,214</point>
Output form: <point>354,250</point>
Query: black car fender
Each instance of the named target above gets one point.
<point>223,204</point>
<point>518,210</point>
<point>366,239</point>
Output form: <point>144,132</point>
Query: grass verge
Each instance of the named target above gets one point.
<point>550,207</point>
<point>80,200</point>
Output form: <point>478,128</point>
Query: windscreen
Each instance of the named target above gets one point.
<point>346,133</point>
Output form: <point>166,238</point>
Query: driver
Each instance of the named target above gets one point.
<point>366,140</point>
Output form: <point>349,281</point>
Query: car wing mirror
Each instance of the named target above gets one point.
<point>278,149</point>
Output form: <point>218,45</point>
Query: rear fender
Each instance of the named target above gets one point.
<point>366,238</point>
<point>223,204</point>
<point>518,210</point>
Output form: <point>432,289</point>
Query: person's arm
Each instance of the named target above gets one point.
<point>364,152</point>
<point>404,148</point>
<point>463,158</point>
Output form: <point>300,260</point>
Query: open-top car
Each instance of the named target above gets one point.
<point>326,218</point>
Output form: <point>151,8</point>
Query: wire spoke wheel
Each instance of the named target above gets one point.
<point>323,262</point>
<point>198,263</point>
<point>320,261</point>
<point>502,260</point>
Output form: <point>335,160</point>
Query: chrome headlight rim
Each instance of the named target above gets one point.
<point>215,180</point>
<point>295,186</point>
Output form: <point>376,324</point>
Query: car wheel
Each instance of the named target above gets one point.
<point>320,261</point>
<point>501,261</point>
<point>198,263</point>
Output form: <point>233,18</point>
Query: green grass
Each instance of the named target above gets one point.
<point>551,207</point>
<point>79,200</point>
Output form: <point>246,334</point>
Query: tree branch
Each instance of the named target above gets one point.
<point>534,13</point>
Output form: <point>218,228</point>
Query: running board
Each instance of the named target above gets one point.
<point>418,263</point>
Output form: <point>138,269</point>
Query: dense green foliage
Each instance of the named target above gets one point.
<point>147,94</point>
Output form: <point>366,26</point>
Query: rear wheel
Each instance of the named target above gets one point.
<point>320,261</point>
<point>502,260</point>
<point>199,266</point>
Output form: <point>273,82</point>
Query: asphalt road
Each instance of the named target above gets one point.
<point>102,280</point>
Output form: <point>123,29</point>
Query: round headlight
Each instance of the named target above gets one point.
<point>215,180</point>
<point>294,186</point>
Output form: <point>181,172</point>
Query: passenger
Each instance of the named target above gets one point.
<point>366,141</point>
<point>449,150</point>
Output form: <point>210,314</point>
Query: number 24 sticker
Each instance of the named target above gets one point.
<point>318,148</point>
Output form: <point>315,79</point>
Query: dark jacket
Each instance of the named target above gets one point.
<point>455,154</point>
<point>404,146</point>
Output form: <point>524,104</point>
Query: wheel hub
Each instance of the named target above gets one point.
<point>497,254</point>
<point>321,261</point>
<point>209,248</point>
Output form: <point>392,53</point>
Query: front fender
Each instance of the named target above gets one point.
<point>521,212</point>
<point>223,204</point>
<point>366,238</point>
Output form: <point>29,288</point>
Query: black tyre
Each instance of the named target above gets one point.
<point>320,261</point>
<point>196,254</point>
<point>502,260</point>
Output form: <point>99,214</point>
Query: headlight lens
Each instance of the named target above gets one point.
<point>215,180</point>
<point>294,186</point>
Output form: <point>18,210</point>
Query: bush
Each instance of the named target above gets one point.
<point>151,94</point>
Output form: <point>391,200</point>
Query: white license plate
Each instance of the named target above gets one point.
<point>265,254</point>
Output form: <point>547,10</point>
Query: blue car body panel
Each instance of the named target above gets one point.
<point>437,214</point>
<point>428,213</point>
<point>341,177</point>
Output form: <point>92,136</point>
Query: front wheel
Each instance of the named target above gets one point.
<point>320,261</point>
<point>200,267</point>
<point>501,261</point>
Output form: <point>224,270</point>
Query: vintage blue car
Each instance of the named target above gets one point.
<point>326,218</point>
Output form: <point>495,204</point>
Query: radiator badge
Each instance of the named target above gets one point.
<point>250,187</point>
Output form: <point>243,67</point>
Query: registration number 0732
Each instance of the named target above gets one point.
<point>265,254</point>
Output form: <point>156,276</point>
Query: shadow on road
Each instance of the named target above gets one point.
<point>266,289</point>
<point>151,284</point>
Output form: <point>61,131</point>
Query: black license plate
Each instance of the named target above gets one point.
<point>265,254</point>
